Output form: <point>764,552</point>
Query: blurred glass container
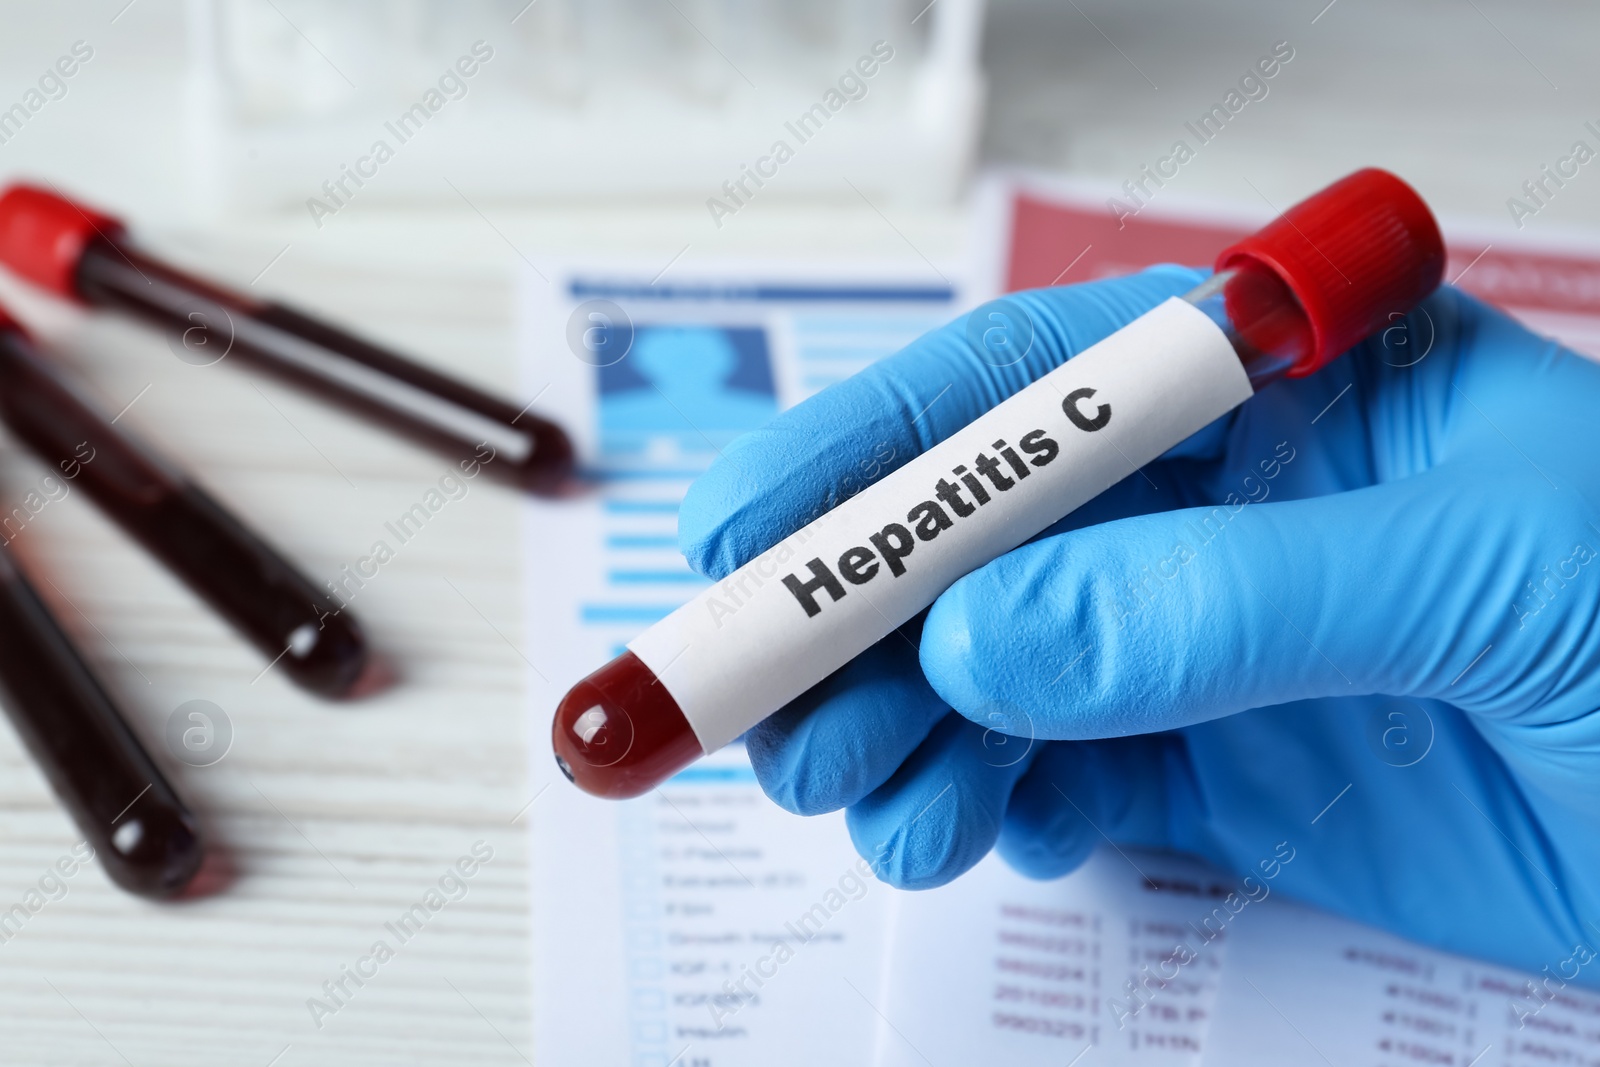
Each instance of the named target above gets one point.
<point>577,99</point>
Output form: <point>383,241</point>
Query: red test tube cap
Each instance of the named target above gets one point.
<point>1356,255</point>
<point>43,235</point>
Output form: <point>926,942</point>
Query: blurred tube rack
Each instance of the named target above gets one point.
<point>507,100</point>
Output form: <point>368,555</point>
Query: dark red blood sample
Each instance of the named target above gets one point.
<point>618,733</point>
<point>141,832</point>
<point>422,404</point>
<point>295,625</point>
<point>85,255</point>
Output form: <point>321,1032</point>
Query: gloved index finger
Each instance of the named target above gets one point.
<point>771,482</point>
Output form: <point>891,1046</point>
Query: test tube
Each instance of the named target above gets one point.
<point>140,830</point>
<point>1284,301</point>
<point>88,256</point>
<point>295,625</point>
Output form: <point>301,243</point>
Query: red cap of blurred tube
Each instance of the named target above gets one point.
<point>1356,255</point>
<point>43,235</point>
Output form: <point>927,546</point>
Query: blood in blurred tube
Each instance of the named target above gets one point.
<point>88,256</point>
<point>141,831</point>
<point>297,627</point>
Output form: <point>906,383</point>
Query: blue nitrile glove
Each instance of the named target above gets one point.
<point>1356,616</point>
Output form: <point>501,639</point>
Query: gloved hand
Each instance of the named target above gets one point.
<point>1358,615</point>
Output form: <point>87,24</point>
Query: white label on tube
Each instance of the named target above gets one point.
<point>751,643</point>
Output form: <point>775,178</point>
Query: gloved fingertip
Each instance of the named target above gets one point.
<point>1078,795</point>
<point>1044,836</point>
<point>949,661</point>
<point>706,514</point>
<point>849,734</point>
<point>969,653</point>
<point>1045,858</point>
<point>774,769</point>
<point>939,840</point>
<point>901,858</point>
<point>793,776</point>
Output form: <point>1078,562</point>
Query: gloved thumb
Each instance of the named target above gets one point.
<point>1417,587</point>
